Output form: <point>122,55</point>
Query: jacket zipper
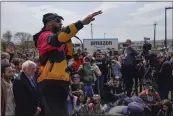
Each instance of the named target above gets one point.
<point>51,67</point>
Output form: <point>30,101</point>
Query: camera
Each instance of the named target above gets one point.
<point>112,52</point>
<point>152,59</point>
<point>125,45</point>
<point>147,46</point>
<point>146,49</point>
<point>138,59</point>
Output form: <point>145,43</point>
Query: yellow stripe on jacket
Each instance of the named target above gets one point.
<point>56,73</point>
<point>56,69</point>
<point>69,46</point>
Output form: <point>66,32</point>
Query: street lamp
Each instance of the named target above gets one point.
<point>91,30</point>
<point>80,42</point>
<point>166,8</point>
<point>155,34</point>
<point>105,35</point>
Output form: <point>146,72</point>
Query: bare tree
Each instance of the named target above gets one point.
<point>24,39</point>
<point>3,45</point>
<point>7,36</point>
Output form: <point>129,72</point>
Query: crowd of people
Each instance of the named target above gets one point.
<point>64,83</point>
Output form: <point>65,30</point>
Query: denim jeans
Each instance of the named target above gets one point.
<point>99,85</point>
<point>70,107</point>
<point>89,90</point>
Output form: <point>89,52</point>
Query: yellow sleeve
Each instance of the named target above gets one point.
<point>69,32</point>
<point>69,47</point>
<point>64,36</point>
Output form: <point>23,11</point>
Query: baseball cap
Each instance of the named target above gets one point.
<point>133,109</point>
<point>151,89</point>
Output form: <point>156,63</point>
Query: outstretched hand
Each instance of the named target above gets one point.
<point>91,18</point>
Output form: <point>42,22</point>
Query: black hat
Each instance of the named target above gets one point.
<point>51,16</point>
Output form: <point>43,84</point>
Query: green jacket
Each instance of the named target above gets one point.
<point>87,74</point>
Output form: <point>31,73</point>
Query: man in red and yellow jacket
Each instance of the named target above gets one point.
<point>52,42</point>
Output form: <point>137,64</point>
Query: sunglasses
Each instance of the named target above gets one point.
<point>57,21</point>
<point>98,56</point>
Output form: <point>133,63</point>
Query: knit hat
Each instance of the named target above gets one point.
<point>51,16</point>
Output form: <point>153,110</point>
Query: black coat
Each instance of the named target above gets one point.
<point>165,76</point>
<point>161,113</point>
<point>26,96</point>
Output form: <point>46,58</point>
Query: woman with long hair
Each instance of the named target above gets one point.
<point>166,108</point>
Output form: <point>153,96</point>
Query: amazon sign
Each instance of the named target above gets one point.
<point>100,44</point>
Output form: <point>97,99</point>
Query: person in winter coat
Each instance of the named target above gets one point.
<point>54,46</point>
<point>128,66</point>
<point>98,75</point>
<point>164,77</point>
<point>116,69</point>
<point>88,76</point>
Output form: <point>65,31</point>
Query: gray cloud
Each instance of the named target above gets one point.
<point>120,19</point>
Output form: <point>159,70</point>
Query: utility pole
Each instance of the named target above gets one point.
<point>166,8</point>
<point>165,28</point>
<point>155,35</point>
<point>172,28</point>
<point>91,30</point>
<point>105,35</point>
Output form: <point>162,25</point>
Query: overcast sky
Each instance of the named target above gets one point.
<point>122,20</point>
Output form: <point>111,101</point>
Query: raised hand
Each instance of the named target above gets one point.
<point>90,17</point>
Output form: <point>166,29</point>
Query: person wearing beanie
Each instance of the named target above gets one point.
<point>52,42</point>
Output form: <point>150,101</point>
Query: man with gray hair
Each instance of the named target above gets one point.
<point>25,92</point>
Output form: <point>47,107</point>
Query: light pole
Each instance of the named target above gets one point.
<point>105,35</point>
<point>172,25</point>
<point>80,41</point>
<point>91,30</point>
<point>155,35</point>
<point>166,8</point>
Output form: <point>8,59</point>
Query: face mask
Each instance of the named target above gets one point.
<point>87,66</point>
<point>113,64</point>
<point>87,63</point>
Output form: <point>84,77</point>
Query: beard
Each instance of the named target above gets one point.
<point>55,29</point>
<point>9,77</point>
